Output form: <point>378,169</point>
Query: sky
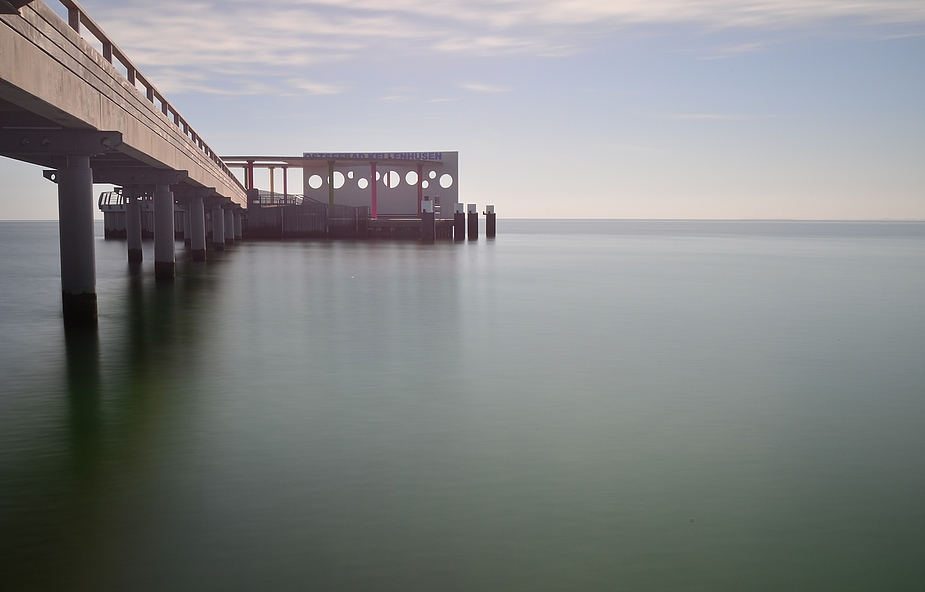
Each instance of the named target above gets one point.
<point>716,109</point>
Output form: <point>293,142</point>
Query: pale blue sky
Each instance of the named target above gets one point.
<point>623,109</point>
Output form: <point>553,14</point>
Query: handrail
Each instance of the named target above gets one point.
<point>77,16</point>
<point>282,199</point>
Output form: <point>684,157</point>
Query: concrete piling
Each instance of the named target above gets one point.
<point>187,239</point>
<point>218,228</point>
<point>489,221</point>
<point>75,233</point>
<point>229,227</point>
<point>238,226</point>
<point>133,224</point>
<point>163,233</point>
<point>197,230</point>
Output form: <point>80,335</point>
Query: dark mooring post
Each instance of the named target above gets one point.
<point>489,221</point>
<point>75,230</point>
<point>459,223</point>
<point>428,224</point>
<point>473,222</point>
<point>133,222</point>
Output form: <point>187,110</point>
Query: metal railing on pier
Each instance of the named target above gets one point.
<point>268,199</point>
<point>291,215</point>
<point>79,20</point>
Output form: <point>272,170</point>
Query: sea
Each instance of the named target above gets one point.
<point>573,405</point>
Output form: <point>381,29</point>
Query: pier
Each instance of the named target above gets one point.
<point>87,116</point>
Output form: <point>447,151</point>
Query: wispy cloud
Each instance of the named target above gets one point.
<point>234,42</point>
<point>484,88</point>
<point>735,50</point>
<point>709,116</point>
<point>315,88</point>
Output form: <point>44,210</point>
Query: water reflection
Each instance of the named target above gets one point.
<point>82,355</point>
<point>77,479</point>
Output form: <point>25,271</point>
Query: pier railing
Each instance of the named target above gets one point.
<point>267,198</point>
<point>78,19</point>
<point>309,219</point>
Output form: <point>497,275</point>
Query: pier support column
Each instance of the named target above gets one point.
<point>473,222</point>
<point>218,228</point>
<point>163,233</point>
<point>133,224</point>
<point>229,227</point>
<point>187,239</point>
<point>197,229</point>
<point>489,221</point>
<point>75,232</point>
<point>238,227</point>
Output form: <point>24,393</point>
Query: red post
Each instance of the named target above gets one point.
<point>285,185</point>
<point>374,212</point>
<point>420,187</point>
<point>250,174</point>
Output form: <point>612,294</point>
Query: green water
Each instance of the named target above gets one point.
<point>581,406</point>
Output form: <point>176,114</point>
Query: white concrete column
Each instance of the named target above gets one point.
<point>197,229</point>
<point>133,224</point>
<point>229,227</point>
<point>163,232</point>
<point>218,228</point>
<point>75,232</point>
<point>238,229</point>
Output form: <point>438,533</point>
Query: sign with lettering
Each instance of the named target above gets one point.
<point>424,156</point>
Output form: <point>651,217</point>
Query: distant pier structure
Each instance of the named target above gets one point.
<point>349,194</point>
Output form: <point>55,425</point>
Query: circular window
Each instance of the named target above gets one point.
<point>363,183</point>
<point>446,181</point>
<point>315,181</point>
<point>378,175</point>
<point>411,178</point>
<point>349,174</point>
<point>432,174</point>
<point>338,179</point>
<point>424,184</point>
<point>392,179</point>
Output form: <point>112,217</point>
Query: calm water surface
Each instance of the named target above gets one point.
<point>581,406</point>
